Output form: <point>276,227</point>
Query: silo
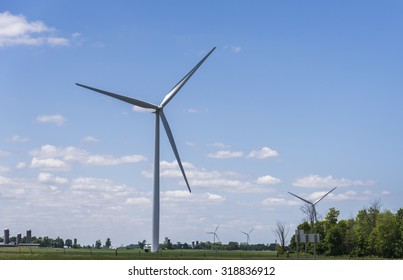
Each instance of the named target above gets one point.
<point>6,236</point>
<point>18,238</point>
<point>29,236</point>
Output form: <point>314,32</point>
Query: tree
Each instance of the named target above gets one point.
<point>332,216</point>
<point>233,245</point>
<point>307,209</point>
<point>142,244</point>
<point>58,243</point>
<point>334,239</point>
<point>364,225</point>
<point>387,236</point>
<point>281,232</point>
<point>98,244</point>
<point>108,243</point>
<point>68,243</point>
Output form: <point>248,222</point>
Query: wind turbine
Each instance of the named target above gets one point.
<point>214,233</point>
<point>313,203</point>
<point>247,235</point>
<point>159,114</point>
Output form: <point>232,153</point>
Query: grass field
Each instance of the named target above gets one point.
<point>36,253</point>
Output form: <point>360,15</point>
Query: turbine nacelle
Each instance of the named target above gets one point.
<point>313,203</point>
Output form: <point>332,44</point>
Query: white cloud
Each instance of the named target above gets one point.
<point>56,119</point>
<point>17,30</point>
<point>316,181</point>
<point>21,165</point>
<point>57,41</point>
<point>49,164</point>
<point>97,185</point>
<point>268,180</point>
<point>90,139</point>
<point>50,157</point>
<point>44,177</point>
<point>17,139</point>
<point>200,177</point>
<point>233,48</point>
<point>4,153</point>
<point>219,145</point>
<point>180,194</point>
<point>192,110</point>
<point>225,154</point>
<point>110,160</point>
<point>215,197</point>
<point>316,195</point>
<point>263,153</point>
<point>4,169</point>
<point>273,201</point>
<point>141,201</point>
<point>6,181</point>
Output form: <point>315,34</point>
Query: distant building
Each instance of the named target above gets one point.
<point>6,236</point>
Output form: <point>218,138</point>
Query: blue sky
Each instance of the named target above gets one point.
<point>299,96</point>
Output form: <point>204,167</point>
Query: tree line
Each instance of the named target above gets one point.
<point>371,233</point>
<point>58,242</point>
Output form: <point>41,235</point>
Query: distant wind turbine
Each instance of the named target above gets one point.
<point>159,114</point>
<point>214,233</point>
<point>248,235</point>
<point>315,219</point>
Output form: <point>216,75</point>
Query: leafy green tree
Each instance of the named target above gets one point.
<point>58,243</point>
<point>108,243</point>
<point>362,228</point>
<point>387,236</point>
<point>142,244</point>
<point>45,242</point>
<point>98,244</point>
<point>233,246</point>
<point>332,216</point>
<point>68,243</point>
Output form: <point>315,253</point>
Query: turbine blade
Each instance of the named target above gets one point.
<point>172,141</point>
<point>251,230</point>
<point>244,232</point>
<point>182,82</point>
<point>215,234</point>
<point>216,228</point>
<point>307,201</point>
<point>324,196</point>
<point>122,98</point>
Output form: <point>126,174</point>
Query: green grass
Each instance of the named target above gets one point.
<point>36,253</point>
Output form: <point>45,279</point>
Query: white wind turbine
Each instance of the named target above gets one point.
<point>248,235</point>
<point>159,114</point>
<point>313,203</point>
<point>214,233</point>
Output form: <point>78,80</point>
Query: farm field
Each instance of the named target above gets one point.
<point>37,253</point>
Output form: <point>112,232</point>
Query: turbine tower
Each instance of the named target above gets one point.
<point>214,233</point>
<point>159,114</point>
<point>247,235</point>
<point>313,203</point>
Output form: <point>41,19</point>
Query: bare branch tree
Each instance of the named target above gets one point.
<point>307,209</point>
<point>281,232</point>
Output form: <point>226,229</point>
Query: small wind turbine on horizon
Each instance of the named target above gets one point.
<point>159,114</point>
<point>214,233</point>
<point>312,204</point>
<point>248,235</point>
